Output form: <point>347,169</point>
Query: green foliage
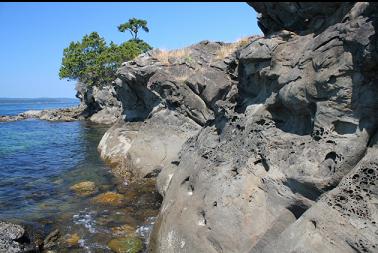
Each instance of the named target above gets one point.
<point>93,62</point>
<point>189,59</point>
<point>133,27</point>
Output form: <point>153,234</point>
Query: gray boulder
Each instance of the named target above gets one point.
<point>139,151</point>
<point>11,237</point>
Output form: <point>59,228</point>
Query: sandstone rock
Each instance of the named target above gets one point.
<point>287,164</point>
<point>16,238</point>
<point>343,220</point>
<point>106,116</point>
<point>185,80</point>
<point>262,146</point>
<point>116,142</point>
<point>161,137</point>
<point>100,104</point>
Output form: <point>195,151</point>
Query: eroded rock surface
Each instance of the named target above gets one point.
<point>142,150</point>
<point>284,161</point>
<point>100,104</point>
<point>263,145</point>
<point>268,144</point>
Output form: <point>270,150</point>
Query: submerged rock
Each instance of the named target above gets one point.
<point>72,239</point>
<point>123,230</point>
<point>126,245</point>
<point>109,198</point>
<point>51,239</point>
<point>84,188</point>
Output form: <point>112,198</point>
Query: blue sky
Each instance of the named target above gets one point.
<point>33,35</point>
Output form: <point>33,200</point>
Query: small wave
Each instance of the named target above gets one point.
<point>87,219</point>
<point>145,230</point>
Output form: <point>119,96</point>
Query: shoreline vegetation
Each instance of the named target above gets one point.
<point>91,62</point>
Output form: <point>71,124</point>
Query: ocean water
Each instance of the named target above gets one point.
<point>14,106</point>
<point>41,160</point>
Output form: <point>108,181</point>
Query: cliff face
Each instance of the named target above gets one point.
<point>265,145</point>
<point>100,104</point>
<point>175,94</point>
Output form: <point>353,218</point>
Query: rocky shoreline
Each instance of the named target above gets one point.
<point>63,114</point>
<point>268,144</point>
<point>276,135</point>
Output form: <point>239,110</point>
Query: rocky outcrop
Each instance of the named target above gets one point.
<point>282,160</point>
<point>97,104</point>
<point>174,94</point>
<point>139,151</point>
<point>343,220</point>
<point>264,145</point>
<point>100,104</point>
<point>63,114</point>
<point>14,239</point>
<point>268,144</point>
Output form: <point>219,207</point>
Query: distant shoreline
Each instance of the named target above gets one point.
<point>38,100</point>
<point>41,98</point>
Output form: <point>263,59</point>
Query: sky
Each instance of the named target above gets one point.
<point>33,35</point>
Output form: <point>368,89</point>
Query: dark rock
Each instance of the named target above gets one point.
<point>51,239</point>
<point>299,17</point>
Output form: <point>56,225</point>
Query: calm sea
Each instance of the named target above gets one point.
<point>41,160</point>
